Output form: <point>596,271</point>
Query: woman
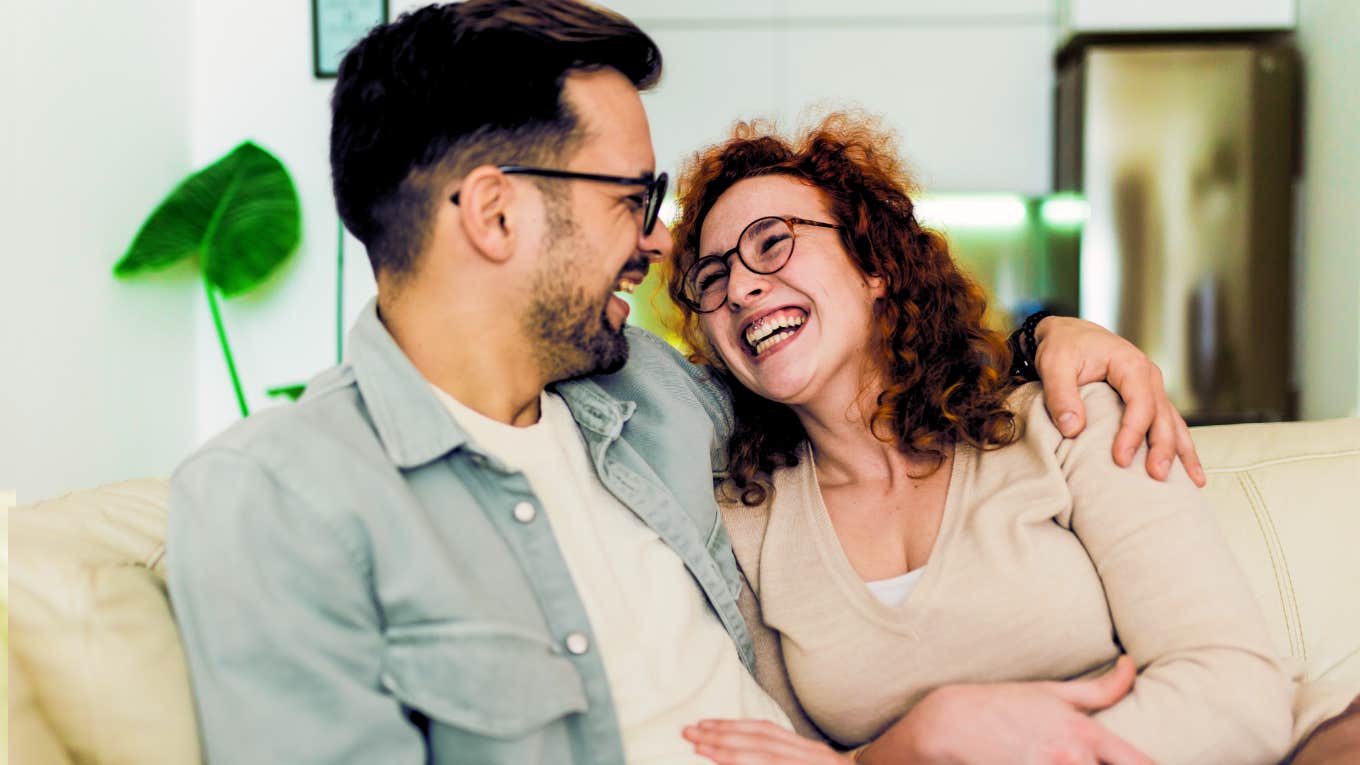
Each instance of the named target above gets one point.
<point>906,514</point>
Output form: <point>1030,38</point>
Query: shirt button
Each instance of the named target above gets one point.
<point>525,512</point>
<point>577,643</point>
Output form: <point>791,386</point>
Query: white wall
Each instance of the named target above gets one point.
<point>253,79</point>
<point>966,85</point>
<point>1164,15</point>
<point>1329,289</point>
<point>97,375</point>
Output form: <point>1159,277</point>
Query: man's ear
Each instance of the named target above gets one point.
<point>485,200</point>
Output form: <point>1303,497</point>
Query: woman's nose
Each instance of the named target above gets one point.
<point>744,285</point>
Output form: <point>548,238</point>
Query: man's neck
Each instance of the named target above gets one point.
<point>473,355</point>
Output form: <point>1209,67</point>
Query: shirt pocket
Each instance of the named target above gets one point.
<point>488,679</point>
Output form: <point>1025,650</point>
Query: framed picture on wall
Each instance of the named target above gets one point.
<point>336,26</point>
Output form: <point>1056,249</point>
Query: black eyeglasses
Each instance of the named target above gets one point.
<point>765,246</point>
<point>651,203</point>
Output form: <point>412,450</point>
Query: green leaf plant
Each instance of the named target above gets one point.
<point>240,216</point>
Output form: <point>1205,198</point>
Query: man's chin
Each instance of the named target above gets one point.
<point>610,368</point>
<point>613,358</point>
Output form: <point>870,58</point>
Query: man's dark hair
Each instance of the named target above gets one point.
<point>446,88</point>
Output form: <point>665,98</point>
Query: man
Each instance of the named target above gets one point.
<point>485,537</point>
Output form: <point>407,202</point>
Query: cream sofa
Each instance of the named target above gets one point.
<point>96,673</point>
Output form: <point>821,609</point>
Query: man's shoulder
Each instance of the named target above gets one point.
<point>654,362</point>
<point>657,370</point>
<point>646,349</point>
<point>330,411</point>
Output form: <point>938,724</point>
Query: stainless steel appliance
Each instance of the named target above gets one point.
<point>1185,152</point>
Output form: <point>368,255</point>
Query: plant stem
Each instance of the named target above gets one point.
<point>226,348</point>
<point>339,291</point>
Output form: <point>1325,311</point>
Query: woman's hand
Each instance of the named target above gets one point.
<point>1036,723</point>
<point>757,742</point>
<point>1073,352</point>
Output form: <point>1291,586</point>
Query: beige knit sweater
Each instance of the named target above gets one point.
<point>1050,561</point>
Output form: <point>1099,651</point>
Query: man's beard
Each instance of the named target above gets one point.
<point>566,324</point>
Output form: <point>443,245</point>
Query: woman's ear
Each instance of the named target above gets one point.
<point>485,202</point>
<point>878,286</point>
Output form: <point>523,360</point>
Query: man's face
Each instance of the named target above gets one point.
<point>593,243</point>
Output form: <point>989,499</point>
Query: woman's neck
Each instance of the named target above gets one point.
<point>845,449</point>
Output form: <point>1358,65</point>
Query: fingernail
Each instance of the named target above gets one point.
<point>1165,467</point>
<point>1066,422</point>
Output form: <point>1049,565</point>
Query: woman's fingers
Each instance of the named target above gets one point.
<point>755,742</point>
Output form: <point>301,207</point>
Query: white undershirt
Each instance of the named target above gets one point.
<point>895,591</point>
<point>669,661</point>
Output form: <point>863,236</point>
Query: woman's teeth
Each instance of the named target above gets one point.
<point>764,335</point>
<point>626,285</point>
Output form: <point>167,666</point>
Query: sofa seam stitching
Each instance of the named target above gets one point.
<point>1283,461</point>
<point>1288,595</point>
<point>1271,556</point>
<point>1349,654</point>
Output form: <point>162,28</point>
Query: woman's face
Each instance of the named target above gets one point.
<point>811,321</point>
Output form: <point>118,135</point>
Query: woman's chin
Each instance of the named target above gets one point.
<point>780,387</point>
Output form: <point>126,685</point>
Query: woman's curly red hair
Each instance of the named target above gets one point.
<point>944,373</point>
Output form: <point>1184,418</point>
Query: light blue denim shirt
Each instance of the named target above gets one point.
<point>356,581</point>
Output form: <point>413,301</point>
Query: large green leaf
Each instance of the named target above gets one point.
<point>241,215</point>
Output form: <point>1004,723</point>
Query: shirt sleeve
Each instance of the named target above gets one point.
<point>1210,687</point>
<point>280,630</point>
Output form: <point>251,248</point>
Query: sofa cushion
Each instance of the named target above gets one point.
<point>1285,495</point>
<point>31,738</point>
<point>91,625</point>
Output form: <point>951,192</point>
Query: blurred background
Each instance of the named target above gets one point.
<point>1185,172</point>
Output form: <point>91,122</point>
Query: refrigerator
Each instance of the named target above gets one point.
<point>1186,153</point>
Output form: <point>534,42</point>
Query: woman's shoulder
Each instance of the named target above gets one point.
<point>1102,404</point>
<point>746,524</point>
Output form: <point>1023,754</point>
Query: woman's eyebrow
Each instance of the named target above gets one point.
<point>765,222</point>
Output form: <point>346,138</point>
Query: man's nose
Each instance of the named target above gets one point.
<point>658,244</point>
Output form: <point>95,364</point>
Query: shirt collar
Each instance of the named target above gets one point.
<point>412,424</point>
<point>593,408</point>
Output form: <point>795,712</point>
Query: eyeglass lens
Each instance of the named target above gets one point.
<point>764,247</point>
<point>655,192</point>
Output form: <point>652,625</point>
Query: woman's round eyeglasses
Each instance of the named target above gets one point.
<point>765,246</point>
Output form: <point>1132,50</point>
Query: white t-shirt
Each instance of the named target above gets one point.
<point>669,661</point>
<point>894,591</point>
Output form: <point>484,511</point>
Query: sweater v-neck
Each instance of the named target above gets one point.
<point>901,618</point>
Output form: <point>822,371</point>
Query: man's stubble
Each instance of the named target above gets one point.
<point>568,330</point>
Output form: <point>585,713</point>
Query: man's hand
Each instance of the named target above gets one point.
<point>757,742</point>
<point>1073,352</point>
<point>1028,723</point>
